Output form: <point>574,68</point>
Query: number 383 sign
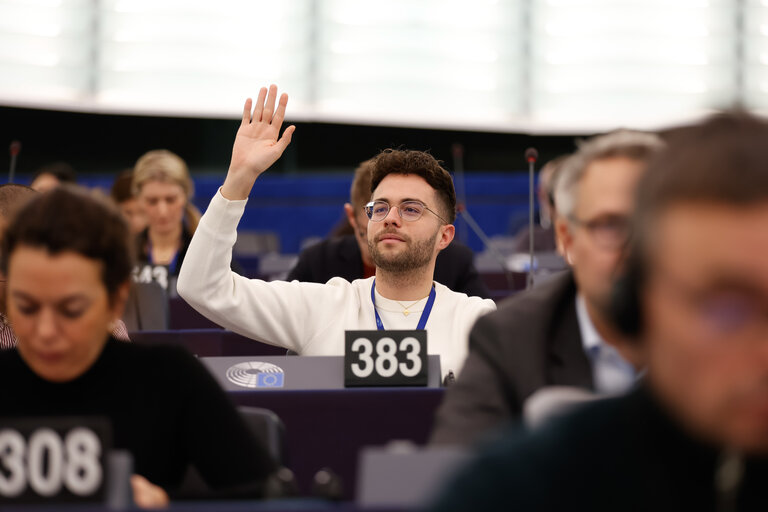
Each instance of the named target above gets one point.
<point>385,358</point>
<point>53,458</point>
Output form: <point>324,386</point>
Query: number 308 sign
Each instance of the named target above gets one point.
<point>385,358</point>
<point>56,458</point>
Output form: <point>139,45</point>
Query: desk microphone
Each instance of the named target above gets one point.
<point>281,484</point>
<point>457,153</point>
<point>15,150</point>
<point>327,484</point>
<point>531,155</point>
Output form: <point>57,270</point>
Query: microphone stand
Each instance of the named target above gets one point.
<point>531,155</point>
<point>458,166</point>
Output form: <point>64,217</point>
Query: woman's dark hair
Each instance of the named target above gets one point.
<point>62,171</point>
<point>397,161</point>
<point>70,218</point>
<point>122,187</point>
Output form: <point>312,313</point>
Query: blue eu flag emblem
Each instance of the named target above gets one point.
<point>269,380</point>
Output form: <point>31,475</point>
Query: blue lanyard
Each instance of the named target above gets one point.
<point>424,314</point>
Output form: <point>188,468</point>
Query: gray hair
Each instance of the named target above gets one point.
<point>635,145</point>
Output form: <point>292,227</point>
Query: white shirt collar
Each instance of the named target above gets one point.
<point>611,373</point>
<point>590,338</point>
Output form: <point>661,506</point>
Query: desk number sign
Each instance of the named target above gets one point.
<point>61,459</point>
<point>385,358</point>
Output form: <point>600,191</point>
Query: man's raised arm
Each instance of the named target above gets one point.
<point>257,145</point>
<point>252,308</point>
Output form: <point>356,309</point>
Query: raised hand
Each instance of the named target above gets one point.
<point>257,145</point>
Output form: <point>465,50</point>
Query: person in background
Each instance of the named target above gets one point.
<point>163,189</point>
<point>544,236</point>
<point>556,334</point>
<point>12,197</point>
<point>694,299</point>
<point>347,256</point>
<point>52,175</point>
<point>68,261</point>
<point>122,194</point>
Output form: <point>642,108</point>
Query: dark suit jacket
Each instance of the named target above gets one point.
<point>531,341</point>
<point>628,453</point>
<point>340,257</point>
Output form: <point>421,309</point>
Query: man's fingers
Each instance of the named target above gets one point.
<point>269,107</point>
<point>259,108</point>
<point>247,112</point>
<point>277,119</point>
<point>265,107</point>
<point>285,139</point>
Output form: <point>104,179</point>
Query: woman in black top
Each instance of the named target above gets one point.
<point>164,189</point>
<point>67,261</point>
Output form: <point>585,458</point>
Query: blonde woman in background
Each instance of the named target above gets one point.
<point>164,189</point>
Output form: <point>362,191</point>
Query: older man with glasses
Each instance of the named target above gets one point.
<point>411,214</point>
<point>558,334</point>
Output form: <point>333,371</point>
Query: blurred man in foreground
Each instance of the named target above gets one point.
<point>694,435</point>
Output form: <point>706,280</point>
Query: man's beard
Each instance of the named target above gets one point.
<point>417,254</point>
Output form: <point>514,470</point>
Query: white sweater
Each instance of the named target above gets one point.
<point>309,318</point>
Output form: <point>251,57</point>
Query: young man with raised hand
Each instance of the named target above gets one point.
<point>411,220</point>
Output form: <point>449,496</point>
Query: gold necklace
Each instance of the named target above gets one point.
<point>409,306</point>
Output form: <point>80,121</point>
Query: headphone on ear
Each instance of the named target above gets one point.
<point>626,310</point>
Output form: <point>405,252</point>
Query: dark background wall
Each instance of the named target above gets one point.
<point>301,197</point>
<point>100,143</point>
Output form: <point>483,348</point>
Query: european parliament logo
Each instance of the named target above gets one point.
<point>256,374</point>
<point>269,380</point>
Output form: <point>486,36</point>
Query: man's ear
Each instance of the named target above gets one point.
<point>447,232</point>
<point>564,238</point>
<point>558,239</point>
<point>349,211</point>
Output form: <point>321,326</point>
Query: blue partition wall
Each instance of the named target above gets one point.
<point>301,206</point>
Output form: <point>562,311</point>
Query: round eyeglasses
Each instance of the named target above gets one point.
<point>608,232</point>
<point>409,211</point>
